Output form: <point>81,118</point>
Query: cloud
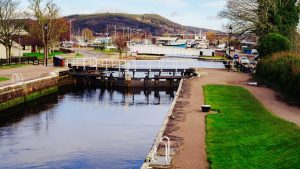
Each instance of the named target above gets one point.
<point>215,4</point>
<point>215,18</point>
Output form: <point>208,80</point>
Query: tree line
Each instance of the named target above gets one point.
<point>34,19</point>
<point>267,19</point>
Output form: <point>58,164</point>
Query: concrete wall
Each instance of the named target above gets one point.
<point>16,94</point>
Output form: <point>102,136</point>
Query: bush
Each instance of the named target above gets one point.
<point>272,43</point>
<point>282,71</point>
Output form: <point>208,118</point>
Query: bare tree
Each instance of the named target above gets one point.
<point>252,16</point>
<point>87,34</point>
<point>121,43</point>
<point>9,24</point>
<point>47,12</point>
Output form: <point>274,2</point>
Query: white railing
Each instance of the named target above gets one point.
<point>170,51</point>
<point>143,64</point>
<point>17,78</point>
<point>167,149</point>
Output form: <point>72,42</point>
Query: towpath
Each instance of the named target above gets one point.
<point>192,151</point>
<point>29,72</point>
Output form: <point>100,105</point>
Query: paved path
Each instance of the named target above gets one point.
<point>29,72</point>
<point>192,152</point>
<point>89,52</point>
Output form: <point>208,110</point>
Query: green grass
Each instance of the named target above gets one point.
<point>79,55</point>
<point>107,51</point>
<point>245,135</point>
<point>3,79</point>
<point>41,55</point>
<point>12,66</point>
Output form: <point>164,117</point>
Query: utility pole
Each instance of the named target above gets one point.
<point>115,32</point>
<point>46,43</point>
<point>19,46</point>
<point>70,30</point>
<point>107,31</point>
<point>230,34</point>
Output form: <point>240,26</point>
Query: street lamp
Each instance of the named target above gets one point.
<point>230,34</point>
<point>46,28</point>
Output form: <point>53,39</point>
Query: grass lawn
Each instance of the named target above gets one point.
<point>41,55</point>
<point>3,79</point>
<point>245,135</point>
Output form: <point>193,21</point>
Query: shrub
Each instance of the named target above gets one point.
<point>282,71</point>
<point>272,43</point>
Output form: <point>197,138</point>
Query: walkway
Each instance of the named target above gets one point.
<point>29,72</point>
<point>192,151</point>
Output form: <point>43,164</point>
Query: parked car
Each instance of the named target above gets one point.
<point>244,60</point>
<point>254,52</point>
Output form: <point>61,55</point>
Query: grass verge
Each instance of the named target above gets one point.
<point>41,55</point>
<point>12,66</point>
<point>3,79</point>
<point>245,135</point>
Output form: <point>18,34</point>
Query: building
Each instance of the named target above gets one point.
<point>22,44</point>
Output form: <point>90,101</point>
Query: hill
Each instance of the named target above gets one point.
<point>153,23</point>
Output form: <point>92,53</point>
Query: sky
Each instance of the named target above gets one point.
<point>199,13</point>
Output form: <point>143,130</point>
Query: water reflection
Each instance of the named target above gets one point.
<point>83,128</point>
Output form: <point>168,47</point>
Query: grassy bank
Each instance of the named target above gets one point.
<point>245,135</point>
<point>3,79</point>
<point>12,66</point>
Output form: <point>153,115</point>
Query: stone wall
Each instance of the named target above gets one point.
<point>16,94</point>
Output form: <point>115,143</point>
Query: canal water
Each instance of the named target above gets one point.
<point>83,128</point>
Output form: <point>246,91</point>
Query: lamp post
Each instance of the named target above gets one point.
<point>46,43</point>
<point>230,34</point>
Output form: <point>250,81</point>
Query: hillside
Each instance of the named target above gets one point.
<point>153,23</point>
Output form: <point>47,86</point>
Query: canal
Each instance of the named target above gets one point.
<point>83,128</point>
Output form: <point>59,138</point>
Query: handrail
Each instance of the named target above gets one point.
<point>166,151</point>
<point>169,144</point>
<point>17,78</point>
<point>143,64</point>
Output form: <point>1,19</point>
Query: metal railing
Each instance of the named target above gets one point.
<point>143,64</point>
<point>17,78</point>
<point>167,149</point>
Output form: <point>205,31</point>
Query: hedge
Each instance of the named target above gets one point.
<point>272,43</point>
<point>281,71</point>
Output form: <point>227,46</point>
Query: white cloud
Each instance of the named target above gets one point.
<point>215,4</point>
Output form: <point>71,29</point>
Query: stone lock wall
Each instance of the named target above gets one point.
<point>16,94</point>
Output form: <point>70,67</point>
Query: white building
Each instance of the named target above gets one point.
<point>22,43</point>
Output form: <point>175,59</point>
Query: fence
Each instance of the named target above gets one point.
<point>143,64</point>
<point>21,60</point>
<point>170,51</point>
